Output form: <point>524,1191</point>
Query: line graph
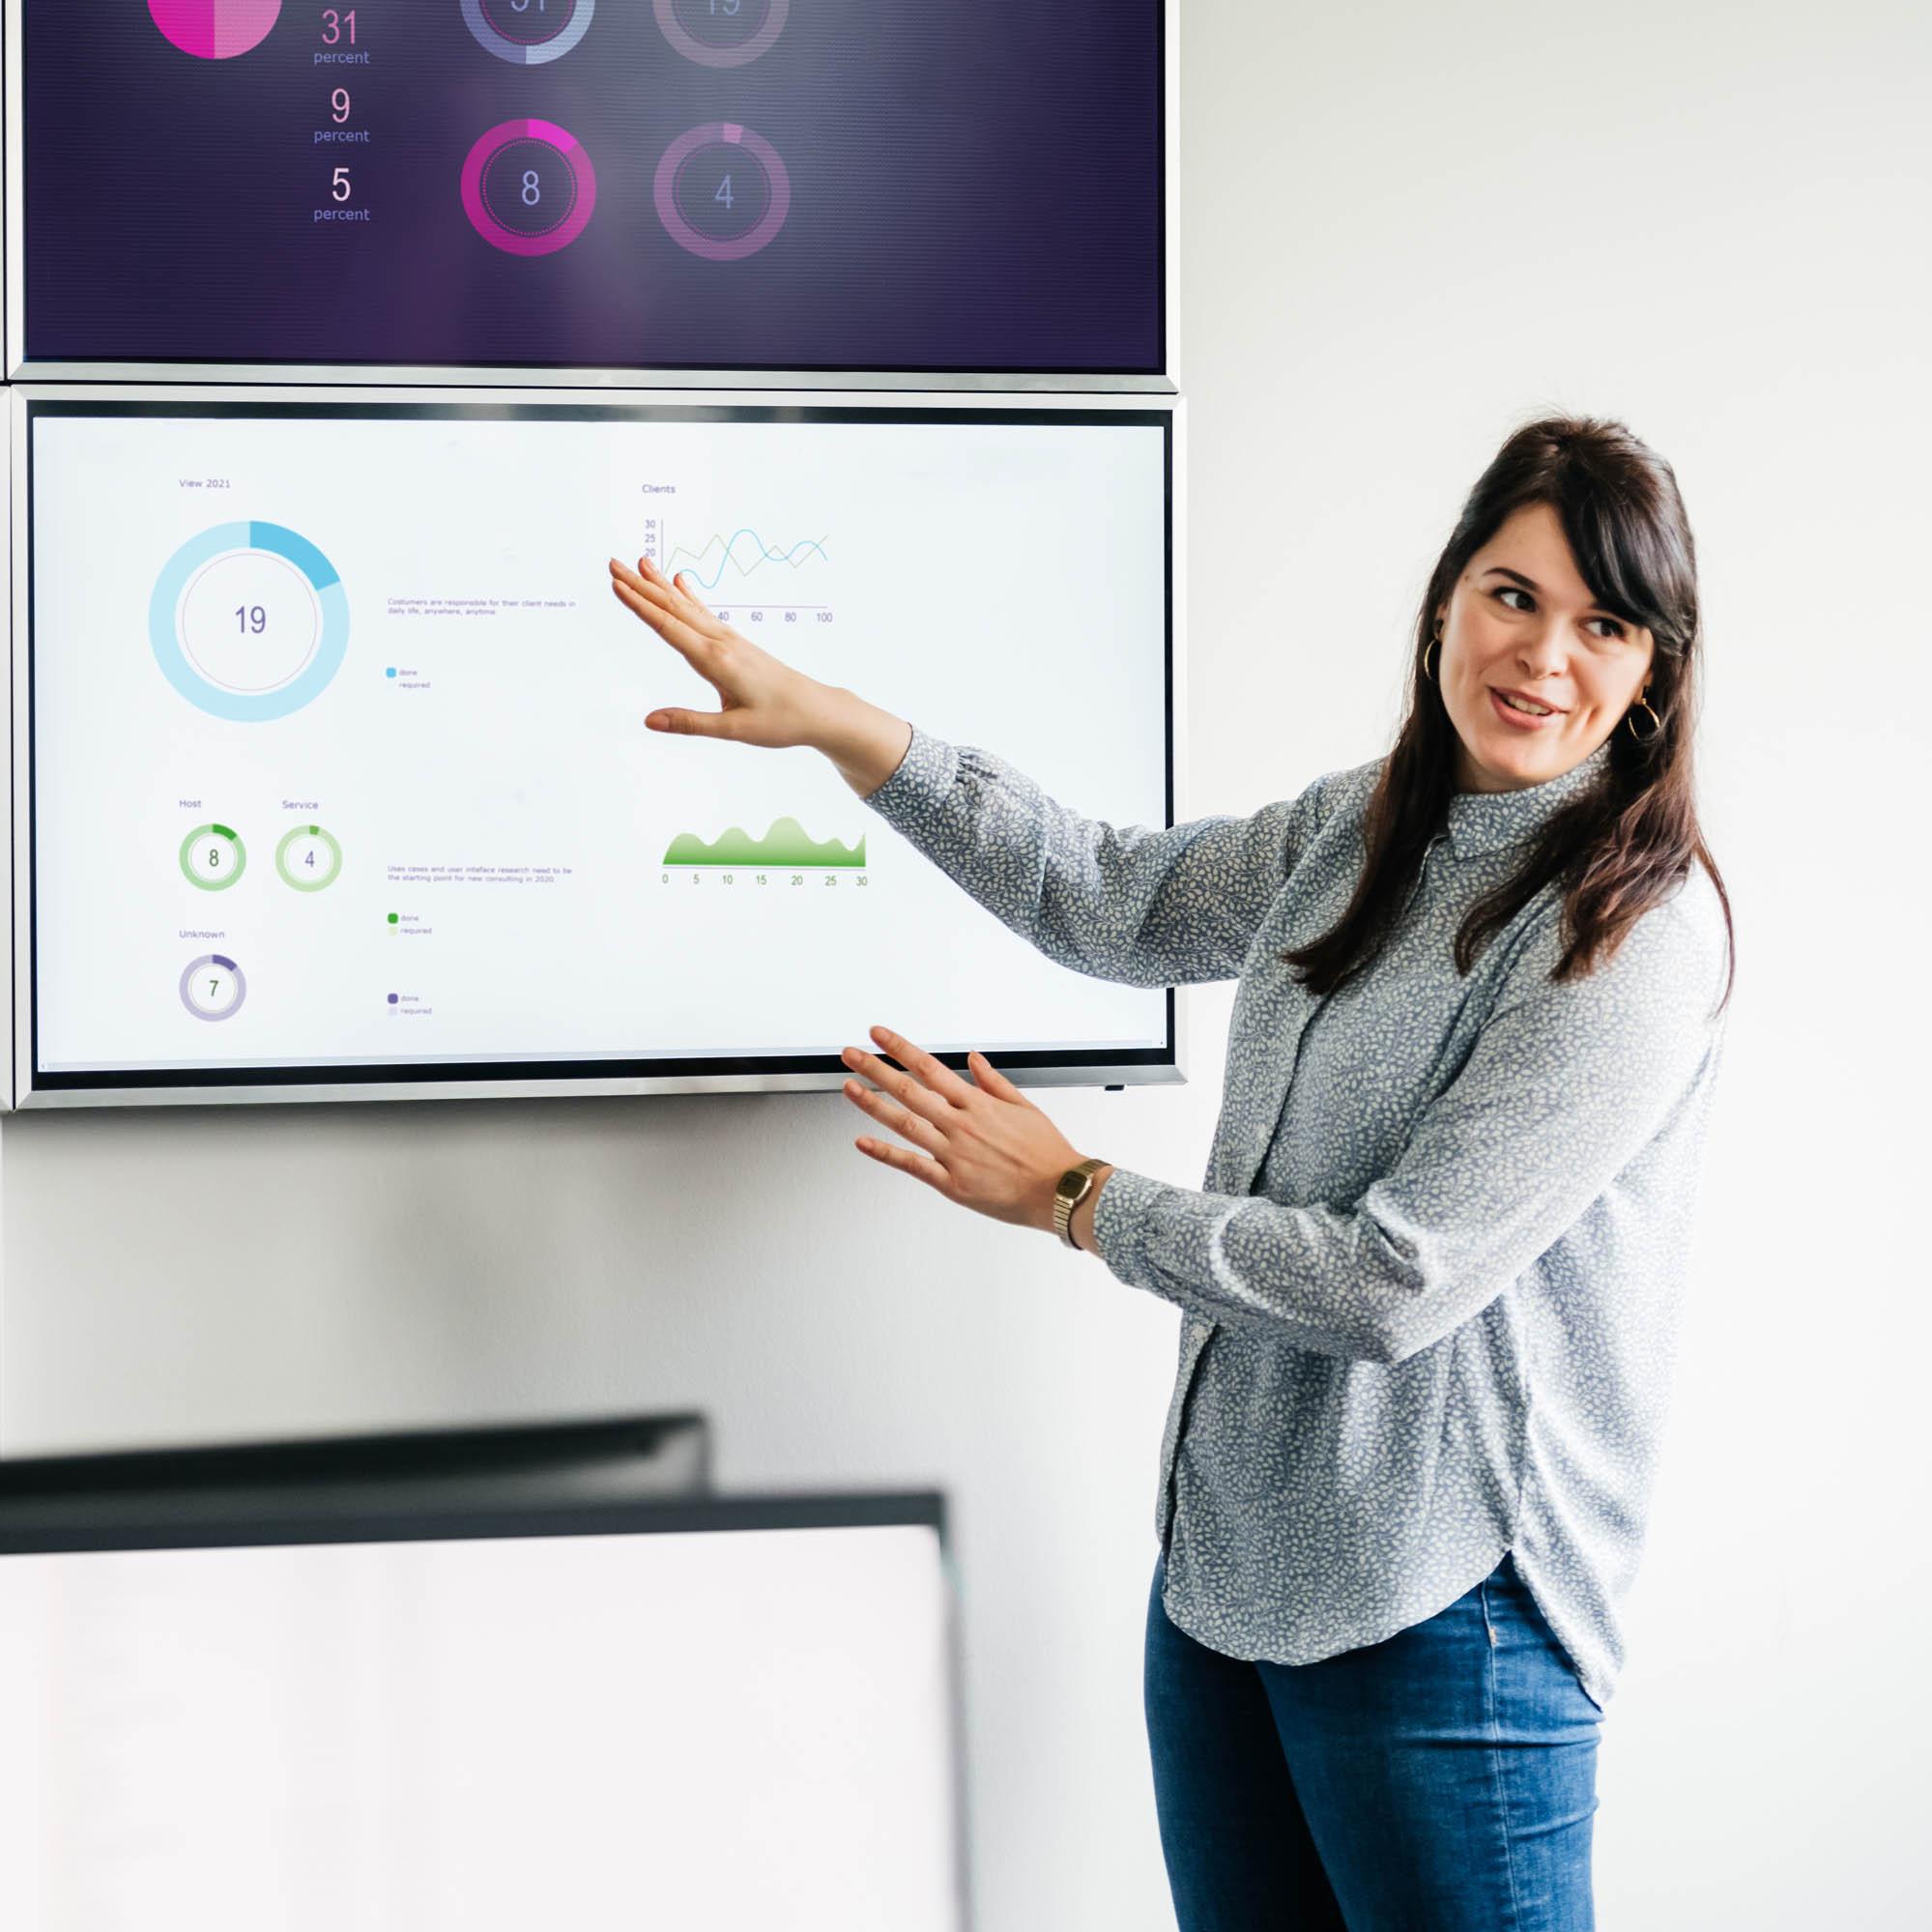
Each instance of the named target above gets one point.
<point>731,555</point>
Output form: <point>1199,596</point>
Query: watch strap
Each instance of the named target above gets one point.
<point>1073,1187</point>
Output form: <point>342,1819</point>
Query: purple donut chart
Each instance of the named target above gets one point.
<point>722,33</point>
<point>215,29</point>
<point>722,191</point>
<point>529,188</point>
<point>213,987</point>
<point>527,33</point>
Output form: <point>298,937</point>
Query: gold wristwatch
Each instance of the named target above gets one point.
<point>1076,1184</point>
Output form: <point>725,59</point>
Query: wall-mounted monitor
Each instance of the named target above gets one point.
<point>332,780</point>
<point>702,185</point>
<point>735,1713</point>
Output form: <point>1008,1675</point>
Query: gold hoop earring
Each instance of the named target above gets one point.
<point>1631,721</point>
<point>1425,650</point>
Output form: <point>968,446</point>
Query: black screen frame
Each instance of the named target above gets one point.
<point>600,1460</point>
<point>546,1077</point>
<point>153,1525</point>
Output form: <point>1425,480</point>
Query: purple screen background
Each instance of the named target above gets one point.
<point>975,183</point>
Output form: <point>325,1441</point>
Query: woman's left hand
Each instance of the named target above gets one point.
<point>988,1147</point>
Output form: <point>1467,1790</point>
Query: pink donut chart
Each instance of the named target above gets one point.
<point>722,191</point>
<point>722,33</point>
<point>215,29</point>
<point>529,188</point>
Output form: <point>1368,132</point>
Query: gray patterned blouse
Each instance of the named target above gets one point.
<point>1431,1286</point>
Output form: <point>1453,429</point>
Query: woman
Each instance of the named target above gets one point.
<point>1431,1286</point>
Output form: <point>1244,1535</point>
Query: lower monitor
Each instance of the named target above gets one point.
<point>525,1465</point>
<point>726,1713</point>
<point>340,784</point>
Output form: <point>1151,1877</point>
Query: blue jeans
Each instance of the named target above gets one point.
<point>1442,1780</point>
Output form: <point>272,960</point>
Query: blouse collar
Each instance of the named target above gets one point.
<point>1486,822</point>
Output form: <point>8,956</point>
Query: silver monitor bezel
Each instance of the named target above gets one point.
<point>229,1087</point>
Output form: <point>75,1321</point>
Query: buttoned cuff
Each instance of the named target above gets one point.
<point>1126,1226</point>
<point>920,785</point>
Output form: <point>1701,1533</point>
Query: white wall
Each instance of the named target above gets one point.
<point>1405,229</point>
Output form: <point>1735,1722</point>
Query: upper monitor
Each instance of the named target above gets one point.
<point>330,738</point>
<point>608,185</point>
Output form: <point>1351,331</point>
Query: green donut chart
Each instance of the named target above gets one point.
<point>212,857</point>
<point>308,858</point>
<point>248,621</point>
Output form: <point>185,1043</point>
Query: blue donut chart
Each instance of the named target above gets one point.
<point>249,708</point>
<point>532,52</point>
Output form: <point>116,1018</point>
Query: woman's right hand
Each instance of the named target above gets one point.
<point>763,702</point>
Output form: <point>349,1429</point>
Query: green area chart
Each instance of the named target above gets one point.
<point>785,845</point>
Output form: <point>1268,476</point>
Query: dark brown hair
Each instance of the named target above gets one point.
<point>1620,846</point>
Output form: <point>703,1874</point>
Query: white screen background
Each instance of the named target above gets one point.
<point>1000,584</point>
<point>749,1728</point>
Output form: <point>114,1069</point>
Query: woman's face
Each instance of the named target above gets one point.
<point>1534,673</point>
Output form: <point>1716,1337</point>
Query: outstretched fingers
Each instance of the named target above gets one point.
<point>991,1081</point>
<point>676,589</point>
<point>646,583</point>
<point>904,1121</point>
<point>922,1166</point>
<point>934,1071</point>
<point>903,1086</point>
<point>680,582</point>
<point>653,606</point>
